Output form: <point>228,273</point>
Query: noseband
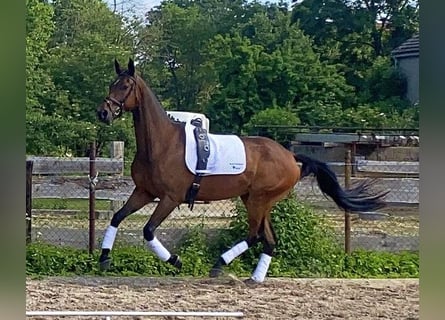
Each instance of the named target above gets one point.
<point>120,104</point>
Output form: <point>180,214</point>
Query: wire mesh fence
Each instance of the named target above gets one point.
<point>61,206</point>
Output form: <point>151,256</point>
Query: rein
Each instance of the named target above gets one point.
<point>120,104</point>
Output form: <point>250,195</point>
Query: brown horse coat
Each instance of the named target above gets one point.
<point>159,171</point>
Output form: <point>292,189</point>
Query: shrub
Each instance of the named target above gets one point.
<point>306,245</point>
<point>44,259</point>
<point>378,264</point>
<point>260,124</point>
<point>195,253</point>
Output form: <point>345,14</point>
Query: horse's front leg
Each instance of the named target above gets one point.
<point>162,210</point>
<point>136,201</point>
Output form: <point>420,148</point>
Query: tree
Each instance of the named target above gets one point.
<point>383,81</point>
<point>88,38</point>
<point>268,122</point>
<point>381,24</point>
<point>173,39</point>
<point>78,62</point>
<point>327,64</point>
<point>174,46</point>
<point>269,62</point>
<point>358,31</point>
<point>39,29</point>
<point>233,60</point>
<point>358,36</point>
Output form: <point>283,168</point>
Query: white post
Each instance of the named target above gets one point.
<point>117,152</point>
<point>117,149</point>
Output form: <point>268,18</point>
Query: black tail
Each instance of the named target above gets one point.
<point>356,199</point>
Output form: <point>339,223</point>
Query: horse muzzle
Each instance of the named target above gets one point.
<point>109,110</point>
<point>105,116</point>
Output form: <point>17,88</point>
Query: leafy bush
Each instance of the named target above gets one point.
<point>44,259</point>
<point>57,136</point>
<point>195,253</point>
<point>306,247</point>
<point>260,124</point>
<point>375,264</point>
<point>48,260</point>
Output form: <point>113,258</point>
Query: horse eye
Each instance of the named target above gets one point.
<point>124,87</point>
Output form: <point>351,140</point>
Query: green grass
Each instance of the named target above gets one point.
<point>50,260</point>
<point>69,204</point>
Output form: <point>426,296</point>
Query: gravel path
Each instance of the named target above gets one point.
<point>276,298</point>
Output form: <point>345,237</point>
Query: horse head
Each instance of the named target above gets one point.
<point>121,96</point>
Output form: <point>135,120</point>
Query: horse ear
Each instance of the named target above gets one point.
<point>131,67</point>
<point>117,67</point>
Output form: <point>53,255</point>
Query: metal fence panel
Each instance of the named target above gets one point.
<point>60,210</point>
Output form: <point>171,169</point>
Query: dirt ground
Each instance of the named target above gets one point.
<point>276,298</point>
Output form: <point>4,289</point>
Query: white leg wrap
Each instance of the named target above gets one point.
<point>261,269</point>
<point>156,246</point>
<point>234,252</point>
<point>110,235</point>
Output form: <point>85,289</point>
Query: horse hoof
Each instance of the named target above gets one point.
<point>215,272</point>
<point>251,283</point>
<point>175,261</point>
<point>105,264</point>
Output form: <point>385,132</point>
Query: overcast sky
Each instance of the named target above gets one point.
<point>142,6</point>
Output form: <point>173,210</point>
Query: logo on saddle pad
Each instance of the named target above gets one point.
<point>236,166</point>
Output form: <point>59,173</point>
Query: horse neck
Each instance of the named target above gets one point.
<point>152,126</point>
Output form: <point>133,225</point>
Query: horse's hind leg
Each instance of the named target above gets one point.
<point>269,242</point>
<point>162,210</point>
<point>255,226</point>
<point>136,201</point>
<point>230,255</point>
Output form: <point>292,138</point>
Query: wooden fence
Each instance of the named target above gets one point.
<point>84,170</point>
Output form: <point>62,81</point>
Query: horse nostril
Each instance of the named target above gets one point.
<point>103,114</point>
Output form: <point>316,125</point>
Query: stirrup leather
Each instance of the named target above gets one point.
<point>203,152</point>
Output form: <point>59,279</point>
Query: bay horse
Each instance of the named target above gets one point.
<point>159,171</point>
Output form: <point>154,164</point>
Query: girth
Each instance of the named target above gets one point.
<point>203,152</point>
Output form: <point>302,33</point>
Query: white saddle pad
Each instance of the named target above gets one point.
<point>227,153</point>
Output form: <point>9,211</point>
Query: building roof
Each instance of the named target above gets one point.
<point>409,48</point>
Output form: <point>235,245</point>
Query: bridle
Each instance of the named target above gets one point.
<point>120,104</point>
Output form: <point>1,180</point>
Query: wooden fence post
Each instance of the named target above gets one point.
<point>117,149</point>
<point>347,214</point>
<point>92,198</point>
<point>29,165</point>
<point>352,159</point>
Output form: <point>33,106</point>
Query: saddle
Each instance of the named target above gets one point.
<point>203,152</point>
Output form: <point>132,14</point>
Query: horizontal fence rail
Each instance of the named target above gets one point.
<point>61,165</point>
<point>119,188</point>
